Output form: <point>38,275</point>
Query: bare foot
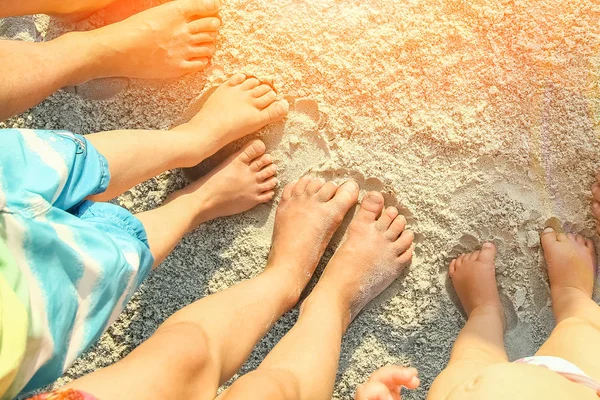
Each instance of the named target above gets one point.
<point>596,202</point>
<point>571,263</point>
<point>237,108</point>
<point>474,278</point>
<point>308,215</point>
<point>243,181</point>
<point>374,253</point>
<point>167,41</point>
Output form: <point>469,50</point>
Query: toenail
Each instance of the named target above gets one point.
<point>209,4</point>
<point>375,198</point>
<point>215,24</point>
<point>487,245</point>
<point>350,186</point>
<point>548,230</point>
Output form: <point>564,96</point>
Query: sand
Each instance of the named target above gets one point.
<point>480,119</point>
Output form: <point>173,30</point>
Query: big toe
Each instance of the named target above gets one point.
<point>345,196</point>
<point>549,238</point>
<point>487,253</point>
<point>371,207</point>
<point>201,8</point>
<point>276,111</point>
<point>252,151</point>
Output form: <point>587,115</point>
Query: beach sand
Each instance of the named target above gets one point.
<point>479,119</point>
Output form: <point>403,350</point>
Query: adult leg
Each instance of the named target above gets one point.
<point>173,39</point>
<point>204,344</point>
<point>239,107</point>
<point>481,341</point>
<point>571,263</point>
<point>303,365</point>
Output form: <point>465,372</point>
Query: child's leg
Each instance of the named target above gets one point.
<point>239,107</point>
<point>304,363</point>
<point>173,39</point>
<point>10,8</point>
<point>481,342</point>
<point>204,344</point>
<point>241,182</point>
<point>571,263</point>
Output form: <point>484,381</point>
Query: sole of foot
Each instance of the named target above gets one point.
<point>239,107</point>
<point>596,202</point>
<point>166,41</point>
<point>474,278</point>
<point>308,215</point>
<point>571,260</point>
<point>376,250</point>
<point>240,183</point>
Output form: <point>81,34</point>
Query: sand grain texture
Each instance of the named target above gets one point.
<point>481,119</point>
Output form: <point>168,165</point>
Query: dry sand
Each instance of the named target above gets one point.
<point>480,118</point>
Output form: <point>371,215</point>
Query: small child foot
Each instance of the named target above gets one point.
<point>596,202</point>
<point>244,180</point>
<point>474,278</point>
<point>240,106</point>
<point>373,255</point>
<point>571,261</point>
<point>386,383</point>
<point>308,215</point>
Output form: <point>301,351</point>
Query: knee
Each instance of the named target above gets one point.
<point>265,383</point>
<point>578,323</point>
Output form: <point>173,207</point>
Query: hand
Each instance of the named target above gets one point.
<point>387,382</point>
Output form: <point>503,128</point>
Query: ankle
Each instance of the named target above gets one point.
<point>327,301</point>
<point>85,62</point>
<point>490,310</point>
<point>198,144</point>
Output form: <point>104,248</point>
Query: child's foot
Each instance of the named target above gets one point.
<point>243,181</point>
<point>373,255</point>
<point>386,383</point>
<point>596,202</point>
<point>308,215</point>
<point>167,41</point>
<point>237,108</point>
<point>571,261</point>
<point>474,278</point>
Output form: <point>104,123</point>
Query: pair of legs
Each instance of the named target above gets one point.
<point>237,108</point>
<point>479,366</point>
<point>200,347</point>
<point>173,39</point>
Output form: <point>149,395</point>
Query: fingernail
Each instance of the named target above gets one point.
<point>350,186</point>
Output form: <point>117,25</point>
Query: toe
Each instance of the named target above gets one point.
<point>549,237</point>
<point>204,37</point>
<point>260,163</point>
<point>327,192</point>
<point>596,209</point>
<point>596,191</point>
<point>459,261</point>
<point>314,186</point>
<point>287,191</point>
<point>202,51</point>
<point>252,150</point>
<point>268,186</point>
<point>397,227</point>
<point>266,173</point>
<point>203,8</point>
<point>405,241</point>
<point>487,253</point>
<point>266,197</point>
<point>407,256</point>
<point>266,100</point>
<point>250,83</point>
<point>300,186</point>
<point>580,239</point>
<point>452,267</point>
<point>345,197</point>
<point>473,256</point>
<point>384,222</point>
<point>236,79</point>
<point>204,25</point>
<point>571,237</point>
<point>371,206</point>
<point>276,111</point>
<point>194,65</point>
<point>261,90</point>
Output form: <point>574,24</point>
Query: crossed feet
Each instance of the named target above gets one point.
<point>571,261</point>
<point>167,41</point>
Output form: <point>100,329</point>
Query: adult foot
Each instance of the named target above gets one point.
<point>308,215</point>
<point>571,261</point>
<point>243,181</point>
<point>167,41</point>
<point>474,278</point>
<point>240,106</point>
<point>375,252</point>
<point>596,202</point>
